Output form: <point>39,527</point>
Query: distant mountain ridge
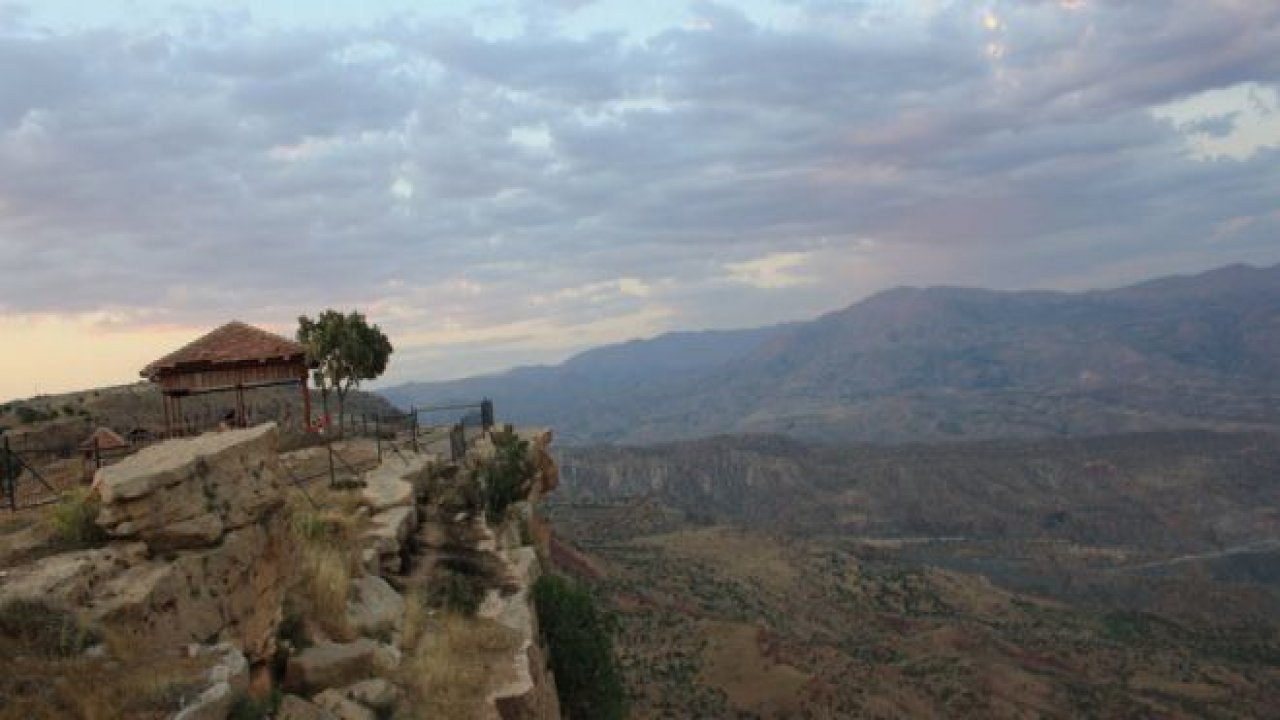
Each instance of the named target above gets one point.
<point>924,364</point>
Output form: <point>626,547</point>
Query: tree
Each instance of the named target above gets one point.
<point>347,349</point>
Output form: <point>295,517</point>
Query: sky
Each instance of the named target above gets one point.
<point>505,183</point>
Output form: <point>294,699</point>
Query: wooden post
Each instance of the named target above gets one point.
<point>328,444</point>
<point>9,475</point>
<point>414,427</point>
<point>377,435</point>
<point>168,416</point>
<point>97,454</point>
<point>306,404</point>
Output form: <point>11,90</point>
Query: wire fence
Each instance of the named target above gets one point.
<point>35,472</point>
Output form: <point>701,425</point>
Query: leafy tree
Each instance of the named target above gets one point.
<point>348,350</point>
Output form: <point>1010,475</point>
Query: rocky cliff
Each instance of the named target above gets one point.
<point>305,602</point>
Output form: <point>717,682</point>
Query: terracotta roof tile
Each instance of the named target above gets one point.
<point>232,343</point>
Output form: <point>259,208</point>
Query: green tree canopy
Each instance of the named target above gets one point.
<point>347,349</point>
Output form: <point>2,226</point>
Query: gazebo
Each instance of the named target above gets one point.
<point>233,358</point>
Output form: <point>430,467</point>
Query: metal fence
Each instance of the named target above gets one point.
<point>34,473</point>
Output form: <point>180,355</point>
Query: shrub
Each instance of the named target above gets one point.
<point>45,630</point>
<point>505,474</point>
<point>581,650</point>
<point>72,520</point>
<point>456,591</point>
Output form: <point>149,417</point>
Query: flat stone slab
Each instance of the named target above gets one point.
<point>330,664</point>
<point>390,484</point>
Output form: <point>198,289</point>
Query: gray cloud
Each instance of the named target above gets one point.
<point>216,167</point>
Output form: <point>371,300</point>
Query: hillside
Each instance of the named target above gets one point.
<point>1135,575</point>
<point>936,363</point>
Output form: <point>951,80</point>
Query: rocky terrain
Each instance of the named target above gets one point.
<point>1122,576</point>
<point>196,580</point>
<point>913,365</point>
<point>60,422</point>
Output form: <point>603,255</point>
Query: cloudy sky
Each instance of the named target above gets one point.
<point>499,183</point>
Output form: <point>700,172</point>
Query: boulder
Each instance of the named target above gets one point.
<point>228,678</point>
<point>375,609</point>
<point>376,694</point>
<point>293,707</point>
<point>187,493</point>
<point>343,707</point>
<point>330,664</point>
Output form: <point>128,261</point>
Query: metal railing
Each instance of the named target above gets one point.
<point>27,480</point>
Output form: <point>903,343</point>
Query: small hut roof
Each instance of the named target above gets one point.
<point>107,439</point>
<point>231,344</point>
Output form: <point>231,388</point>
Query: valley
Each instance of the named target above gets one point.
<point>1120,576</point>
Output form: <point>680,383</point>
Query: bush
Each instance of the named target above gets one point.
<point>505,474</point>
<point>456,591</point>
<point>581,650</point>
<point>44,630</point>
<point>72,521</point>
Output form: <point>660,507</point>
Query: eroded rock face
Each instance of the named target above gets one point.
<point>234,591</point>
<point>184,494</point>
<point>528,692</point>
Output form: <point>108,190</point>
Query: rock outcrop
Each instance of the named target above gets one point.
<point>186,494</point>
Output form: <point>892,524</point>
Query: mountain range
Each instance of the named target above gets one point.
<point>919,364</point>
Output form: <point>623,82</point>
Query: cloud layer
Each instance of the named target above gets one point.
<point>499,197</point>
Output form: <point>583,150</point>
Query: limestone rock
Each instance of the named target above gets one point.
<point>375,608</point>
<point>391,484</point>
<point>388,534</point>
<point>342,707</point>
<point>530,693</point>
<point>235,591</point>
<point>377,694</point>
<point>187,493</point>
<point>330,664</point>
<point>68,579</point>
<point>293,707</point>
<point>228,678</point>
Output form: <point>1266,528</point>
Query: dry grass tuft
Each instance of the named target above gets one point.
<point>71,522</point>
<point>450,670</point>
<point>46,675</point>
<point>326,548</point>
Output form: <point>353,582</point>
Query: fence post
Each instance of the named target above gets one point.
<point>377,435</point>
<point>97,454</point>
<point>414,427</point>
<point>486,414</point>
<point>333,477</point>
<point>9,476</point>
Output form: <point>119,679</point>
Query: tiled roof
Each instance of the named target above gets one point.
<point>230,344</point>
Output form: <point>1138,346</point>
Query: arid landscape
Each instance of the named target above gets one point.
<point>1129,576</point>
